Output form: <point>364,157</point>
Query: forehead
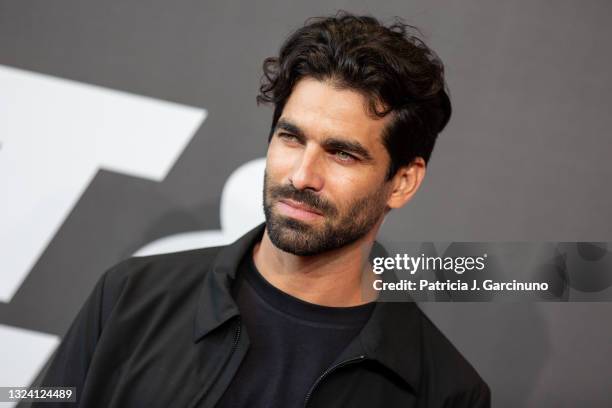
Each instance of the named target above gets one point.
<point>321,110</point>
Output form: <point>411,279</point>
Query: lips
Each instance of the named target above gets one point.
<point>296,210</point>
<point>300,206</point>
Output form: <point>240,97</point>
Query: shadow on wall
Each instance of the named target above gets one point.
<point>508,343</point>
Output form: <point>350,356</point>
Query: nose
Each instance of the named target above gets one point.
<point>307,173</point>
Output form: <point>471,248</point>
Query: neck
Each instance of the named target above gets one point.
<point>338,278</point>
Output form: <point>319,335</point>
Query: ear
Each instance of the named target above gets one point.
<point>406,182</point>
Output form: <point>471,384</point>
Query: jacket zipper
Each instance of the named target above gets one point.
<point>236,336</point>
<point>234,344</point>
<point>328,371</point>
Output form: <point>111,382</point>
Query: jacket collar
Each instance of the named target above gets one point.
<point>392,335</point>
<point>216,304</point>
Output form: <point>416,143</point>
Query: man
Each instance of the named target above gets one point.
<point>286,316</point>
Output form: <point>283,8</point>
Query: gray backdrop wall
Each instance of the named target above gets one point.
<point>526,156</point>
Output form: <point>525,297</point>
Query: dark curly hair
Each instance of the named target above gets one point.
<point>390,66</point>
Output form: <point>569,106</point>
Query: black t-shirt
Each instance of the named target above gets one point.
<point>292,342</point>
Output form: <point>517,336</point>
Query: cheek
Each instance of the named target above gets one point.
<point>351,181</point>
<point>344,188</point>
<point>348,188</point>
<point>278,161</point>
<point>346,179</point>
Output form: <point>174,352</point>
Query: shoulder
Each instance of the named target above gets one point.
<point>151,278</point>
<point>448,368</point>
<point>165,267</point>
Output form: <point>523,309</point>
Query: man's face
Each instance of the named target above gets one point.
<point>325,171</point>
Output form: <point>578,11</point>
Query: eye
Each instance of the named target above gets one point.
<point>288,137</point>
<point>344,156</point>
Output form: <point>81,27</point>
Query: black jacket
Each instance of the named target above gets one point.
<point>164,331</point>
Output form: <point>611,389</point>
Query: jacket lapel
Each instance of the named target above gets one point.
<point>216,304</point>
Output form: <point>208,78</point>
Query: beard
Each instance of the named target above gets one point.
<point>339,228</point>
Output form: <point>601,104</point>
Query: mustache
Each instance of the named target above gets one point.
<point>306,197</point>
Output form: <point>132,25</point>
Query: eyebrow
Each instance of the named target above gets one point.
<point>290,127</point>
<point>332,143</point>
